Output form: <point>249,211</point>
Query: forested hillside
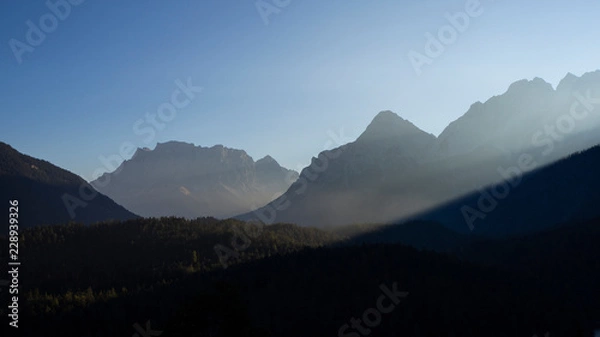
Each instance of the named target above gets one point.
<point>102,280</point>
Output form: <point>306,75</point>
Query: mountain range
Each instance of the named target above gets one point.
<point>500,210</point>
<point>181,179</point>
<point>394,170</point>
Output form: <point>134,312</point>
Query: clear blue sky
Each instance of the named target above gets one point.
<point>278,89</point>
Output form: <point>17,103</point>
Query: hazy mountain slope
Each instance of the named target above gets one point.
<point>272,178</point>
<point>347,185</point>
<point>565,191</point>
<point>526,116</point>
<point>396,170</point>
<point>499,120</point>
<point>531,119</point>
<point>40,187</point>
<point>185,180</point>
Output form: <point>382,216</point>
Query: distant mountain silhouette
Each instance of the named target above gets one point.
<point>42,188</point>
<point>396,170</point>
<point>182,179</point>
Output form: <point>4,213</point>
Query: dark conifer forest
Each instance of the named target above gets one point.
<point>286,280</point>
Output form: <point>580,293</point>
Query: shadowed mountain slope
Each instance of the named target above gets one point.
<point>46,192</point>
<point>568,190</point>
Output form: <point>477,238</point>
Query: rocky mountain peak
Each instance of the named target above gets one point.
<point>388,126</point>
<point>526,87</point>
<point>267,161</point>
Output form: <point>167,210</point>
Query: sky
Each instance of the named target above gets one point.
<point>285,78</point>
